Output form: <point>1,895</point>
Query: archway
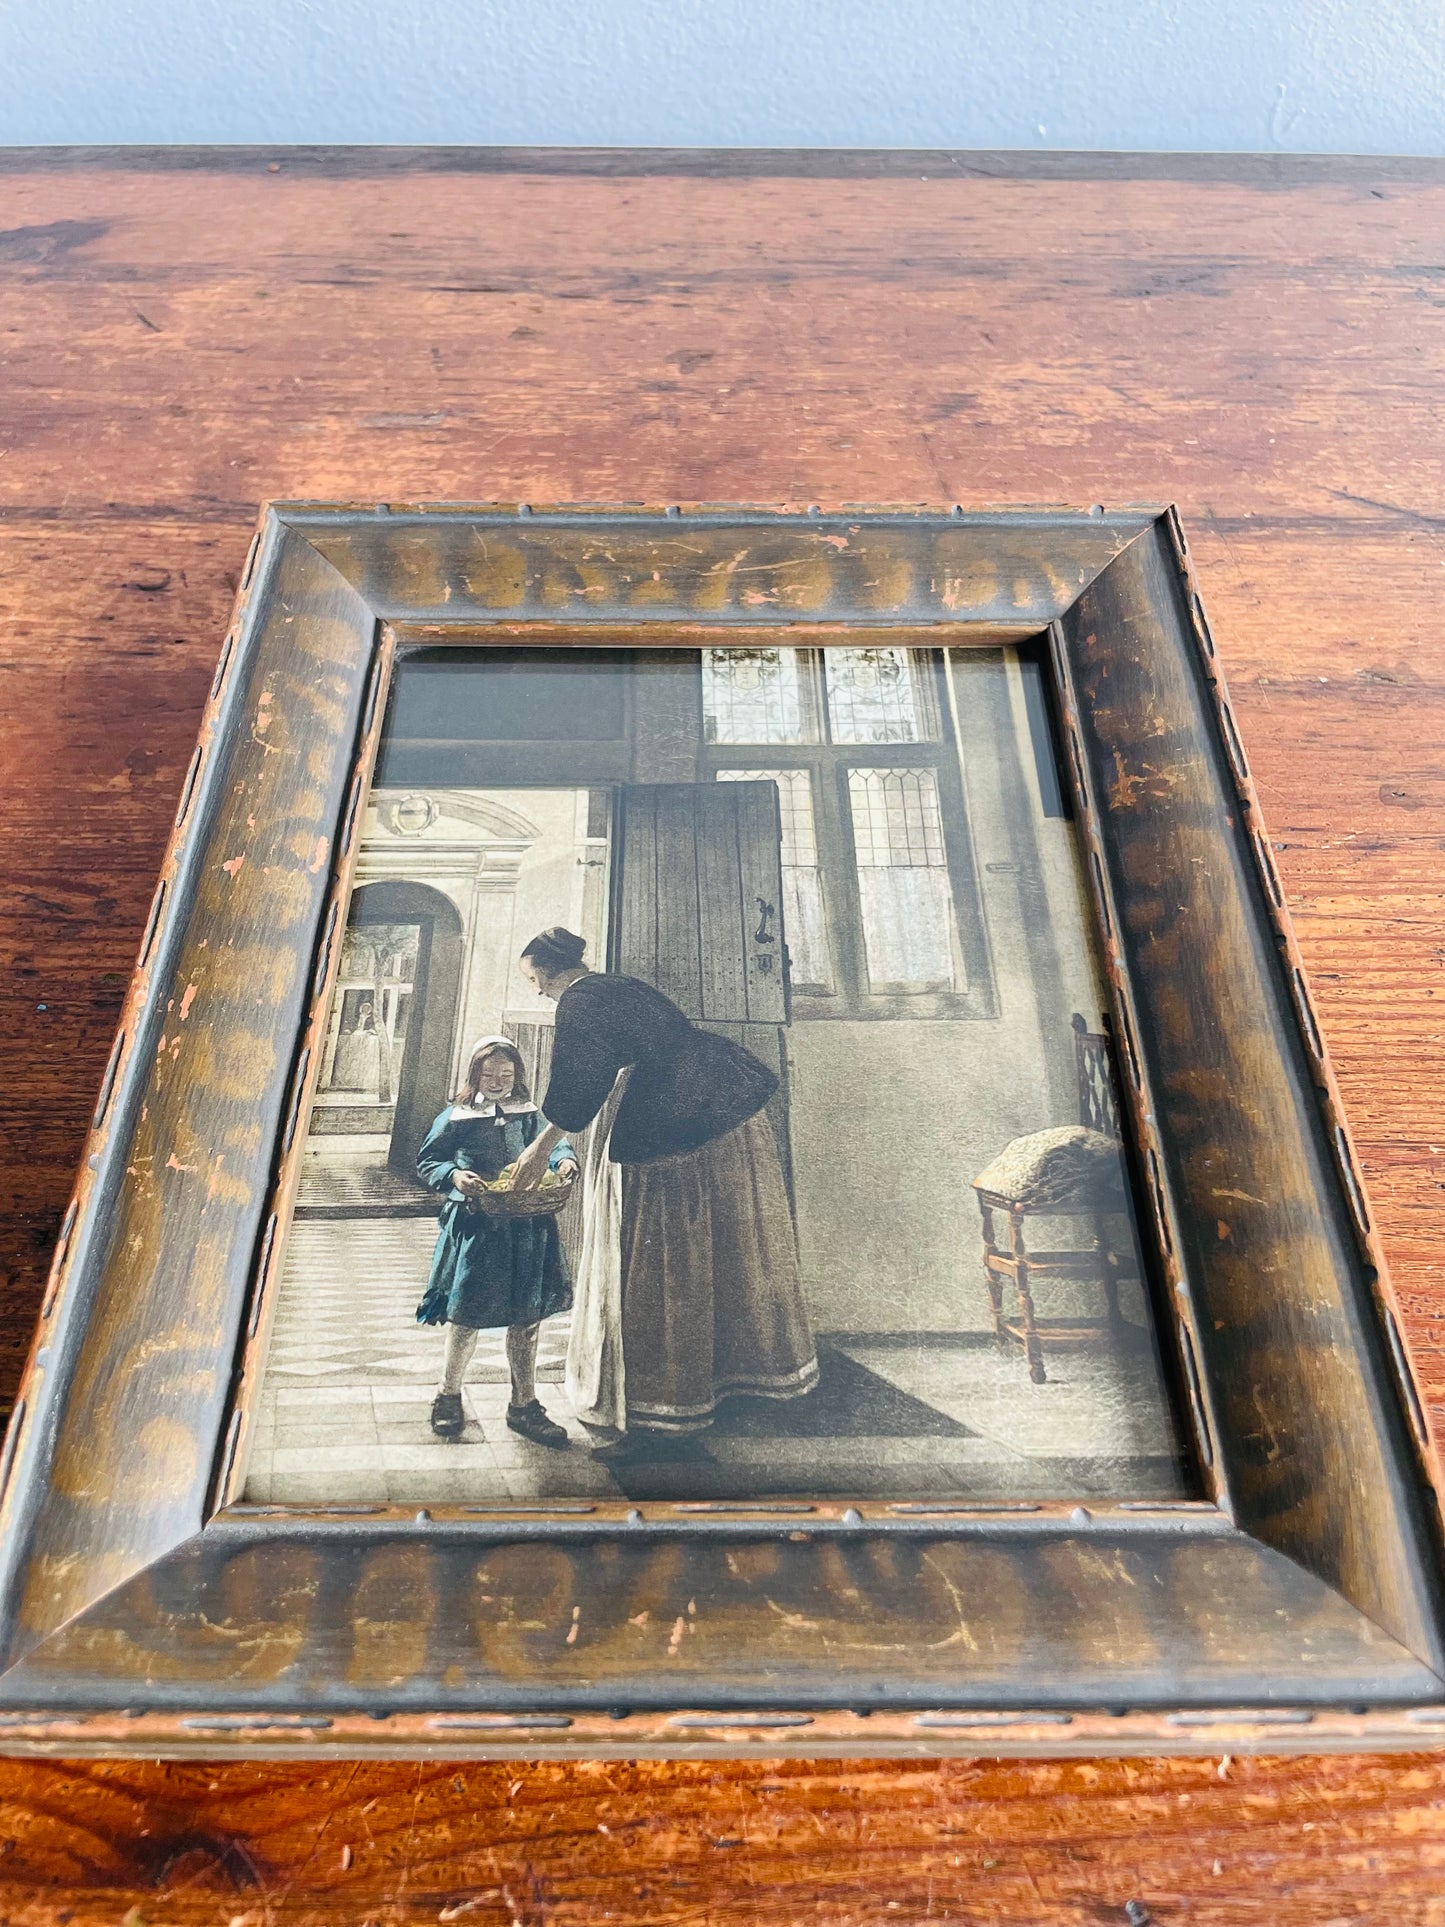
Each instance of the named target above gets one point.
<point>424,1075</point>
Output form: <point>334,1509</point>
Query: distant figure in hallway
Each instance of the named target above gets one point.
<point>688,1286</point>
<point>492,1271</point>
<point>357,1064</point>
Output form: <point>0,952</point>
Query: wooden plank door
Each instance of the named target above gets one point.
<point>700,912</point>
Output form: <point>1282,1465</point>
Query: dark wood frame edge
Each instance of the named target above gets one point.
<point>366,539</point>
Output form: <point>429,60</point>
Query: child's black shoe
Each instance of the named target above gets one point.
<point>532,1422</point>
<point>446,1415</point>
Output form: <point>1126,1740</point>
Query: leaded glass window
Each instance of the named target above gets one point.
<point>879,695</point>
<point>903,885</point>
<point>758,696</point>
<point>837,695</point>
<point>881,910</point>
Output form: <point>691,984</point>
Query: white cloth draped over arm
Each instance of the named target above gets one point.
<point>595,1384</point>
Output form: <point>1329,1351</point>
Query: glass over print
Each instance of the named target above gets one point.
<point>716,1101</point>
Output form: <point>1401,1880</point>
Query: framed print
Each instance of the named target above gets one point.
<point>718,1140</point>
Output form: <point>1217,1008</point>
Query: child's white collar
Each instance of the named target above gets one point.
<point>494,1107</point>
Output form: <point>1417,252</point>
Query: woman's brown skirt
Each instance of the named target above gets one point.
<point>711,1298</point>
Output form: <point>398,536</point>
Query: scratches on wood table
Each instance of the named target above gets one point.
<point>1260,342</point>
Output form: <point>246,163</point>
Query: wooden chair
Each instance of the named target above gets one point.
<point>1069,1171</point>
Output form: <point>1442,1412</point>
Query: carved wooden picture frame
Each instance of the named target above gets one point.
<point>1297,1602</point>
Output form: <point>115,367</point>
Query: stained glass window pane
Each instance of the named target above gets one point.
<point>903,884</point>
<point>757,696</point>
<point>879,695</point>
<point>804,928</point>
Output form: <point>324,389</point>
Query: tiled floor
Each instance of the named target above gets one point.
<point>343,1413</point>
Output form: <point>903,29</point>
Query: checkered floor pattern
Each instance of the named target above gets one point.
<point>343,1410</point>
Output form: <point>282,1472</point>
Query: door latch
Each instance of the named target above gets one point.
<point>762,934</point>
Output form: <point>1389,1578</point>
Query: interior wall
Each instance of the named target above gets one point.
<point>891,1120</point>
<point>511,862</point>
<point>1065,900</point>
<point>1351,76</point>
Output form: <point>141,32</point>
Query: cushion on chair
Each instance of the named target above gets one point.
<point>1066,1166</point>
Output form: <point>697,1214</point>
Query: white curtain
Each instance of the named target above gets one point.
<point>907,919</point>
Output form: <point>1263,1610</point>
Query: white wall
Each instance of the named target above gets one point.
<point>1364,76</point>
<point>891,1121</point>
<point>513,862</point>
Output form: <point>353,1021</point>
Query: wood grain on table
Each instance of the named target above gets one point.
<point>184,334</point>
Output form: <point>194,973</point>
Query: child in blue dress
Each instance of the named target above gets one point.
<point>487,1271</point>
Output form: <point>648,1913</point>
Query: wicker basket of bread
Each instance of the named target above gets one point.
<point>497,1198</point>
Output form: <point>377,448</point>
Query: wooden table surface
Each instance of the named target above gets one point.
<point>186,332</point>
